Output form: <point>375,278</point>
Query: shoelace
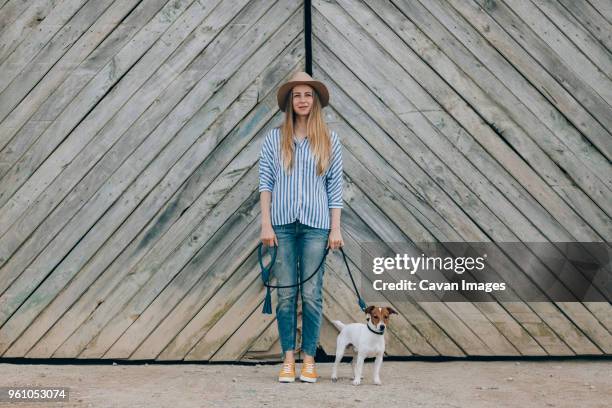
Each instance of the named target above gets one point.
<point>309,367</point>
<point>287,368</point>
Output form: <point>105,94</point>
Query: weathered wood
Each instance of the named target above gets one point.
<point>566,49</point>
<point>53,23</point>
<point>147,150</point>
<point>18,19</point>
<point>584,26</point>
<point>176,177</point>
<point>591,20</point>
<point>582,118</point>
<point>49,98</point>
<point>130,135</point>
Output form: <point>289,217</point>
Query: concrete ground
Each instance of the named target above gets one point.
<point>473,384</point>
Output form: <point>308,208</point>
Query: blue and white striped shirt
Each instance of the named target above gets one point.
<point>300,195</point>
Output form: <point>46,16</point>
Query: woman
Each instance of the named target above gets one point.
<point>300,184</point>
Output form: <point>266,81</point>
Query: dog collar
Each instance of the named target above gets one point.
<point>372,330</point>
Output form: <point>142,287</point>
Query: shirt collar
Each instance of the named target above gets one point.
<point>299,142</point>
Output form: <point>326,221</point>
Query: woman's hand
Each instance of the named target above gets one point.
<point>268,237</point>
<point>335,239</point>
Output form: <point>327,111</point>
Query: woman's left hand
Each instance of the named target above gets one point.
<point>335,239</point>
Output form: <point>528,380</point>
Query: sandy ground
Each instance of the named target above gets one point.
<point>567,383</point>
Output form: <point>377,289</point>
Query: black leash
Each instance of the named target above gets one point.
<point>265,277</point>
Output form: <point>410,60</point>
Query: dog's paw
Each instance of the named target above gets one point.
<point>377,381</point>
<point>356,381</point>
<point>334,379</point>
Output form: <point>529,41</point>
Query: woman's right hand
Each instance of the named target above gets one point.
<point>268,237</point>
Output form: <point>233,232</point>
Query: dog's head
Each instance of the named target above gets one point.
<point>379,316</point>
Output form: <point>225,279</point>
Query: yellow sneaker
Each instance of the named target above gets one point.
<point>287,373</point>
<point>308,374</point>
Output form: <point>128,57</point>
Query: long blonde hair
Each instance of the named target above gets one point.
<point>316,131</point>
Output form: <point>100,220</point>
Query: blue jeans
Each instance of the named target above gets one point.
<point>300,247</point>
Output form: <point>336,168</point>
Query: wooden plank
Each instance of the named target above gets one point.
<point>132,337</point>
<point>565,328</point>
<point>543,330</point>
<point>44,76</point>
<point>549,60</point>
<point>602,311</point>
<point>213,307</point>
<point>530,109</point>
<point>91,339</point>
<point>449,156</point>
<point>48,99</point>
<point>534,329</point>
<point>113,159</point>
<point>509,118</point>
<point>233,316</point>
<point>570,28</point>
<point>188,134</point>
<point>212,257</point>
<point>327,64</point>
<point>486,140</point>
<point>173,179</point>
<point>591,20</point>
<point>32,44</point>
<point>70,37</point>
<point>567,51</point>
<point>495,172</point>
<point>108,335</point>
<point>516,334</point>
<point>604,8</point>
<point>205,302</point>
<point>166,218</point>
<point>373,164</point>
<point>424,329</point>
<point>238,344</point>
<point>385,181</point>
<point>582,118</point>
<point>18,19</point>
<point>27,180</point>
<point>496,201</point>
<point>589,325</point>
<point>266,341</point>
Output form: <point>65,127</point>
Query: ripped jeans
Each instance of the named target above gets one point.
<point>300,247</point>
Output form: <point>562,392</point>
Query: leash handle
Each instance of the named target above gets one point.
<point>260,255</point>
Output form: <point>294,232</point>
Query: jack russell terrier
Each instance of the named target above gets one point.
<point>367,340</point>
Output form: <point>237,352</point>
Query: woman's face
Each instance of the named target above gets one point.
<point>303,97</point>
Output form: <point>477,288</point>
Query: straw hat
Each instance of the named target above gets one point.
<point>298,79</point>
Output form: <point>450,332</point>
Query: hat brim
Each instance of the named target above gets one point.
<point>319,87</point>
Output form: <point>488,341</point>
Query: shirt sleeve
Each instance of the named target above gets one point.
<point>266,165</point>
<point>334,176</point>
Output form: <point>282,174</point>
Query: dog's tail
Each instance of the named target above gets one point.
<point>339,325</point>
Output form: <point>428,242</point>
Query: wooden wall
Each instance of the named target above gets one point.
<point>129,139</point>
<point>474,121</point>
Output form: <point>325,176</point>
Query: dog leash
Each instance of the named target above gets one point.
<point>266,271</point>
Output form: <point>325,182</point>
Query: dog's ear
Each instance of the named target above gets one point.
<point>369,309</point>
<point>391,310</point>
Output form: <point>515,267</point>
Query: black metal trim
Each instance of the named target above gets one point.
<point>308,35</point>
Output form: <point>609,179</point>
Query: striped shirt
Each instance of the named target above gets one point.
<point>300,195</point>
